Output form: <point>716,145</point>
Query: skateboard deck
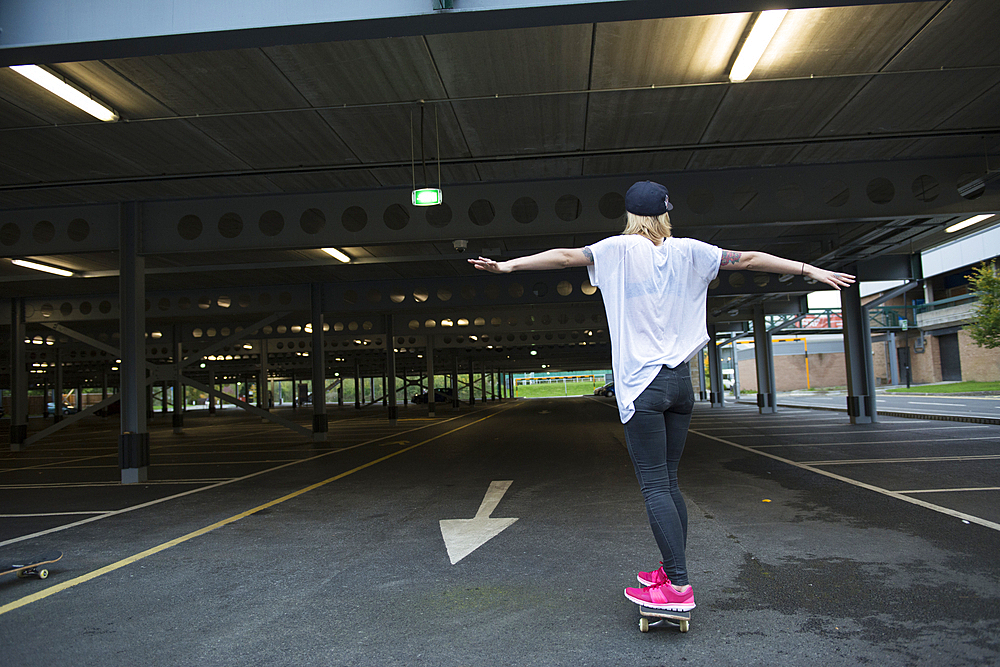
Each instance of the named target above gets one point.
<point>663,618</point>
<point>32,567</point>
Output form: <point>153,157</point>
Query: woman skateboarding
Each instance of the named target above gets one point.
<point>655,290</point>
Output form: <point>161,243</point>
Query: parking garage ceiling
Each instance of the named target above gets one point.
<point>863,132</point>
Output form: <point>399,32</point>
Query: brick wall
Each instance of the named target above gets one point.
<point>979,364</point>
<point>825,370</point>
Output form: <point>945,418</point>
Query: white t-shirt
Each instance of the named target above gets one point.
<point>655,299</point>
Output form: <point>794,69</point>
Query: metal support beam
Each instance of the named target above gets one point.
<point>57,392</point>
<point>702,385</point>
<point>321,424</point>
<point>472,382</point>
<point>454,381</point>
<point>211,383</point>
<point>716,395</point>
<point>858,357</point>
<point>133,443</point>
<point>893,359</point>
<point>178,388</point>
<point>18,378</point>
<point>482,378</point>
<point>764,352</point>
<point>390,371</point>
<point>246,407</point>
<point>357,384</point>
<point>431,393</point>
<point>263,390</point>
<point>71,419</point>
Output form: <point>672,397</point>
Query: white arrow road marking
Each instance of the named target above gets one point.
<point>463,536</point>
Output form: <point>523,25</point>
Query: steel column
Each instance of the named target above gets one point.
<point>472,382</point>
<point>357,384</point>
<point>431,393</point>
<point>483,378</point>
<point>703,386</point>
<point>321,424</point>
<point>178,387</point>
<point>764,354</point>
<point>390,371</point>
<point>263,390</point>
<point>858,357</point>
<point>57,391</point>
<point>18,377</point>
<point>717,396</point>
<point>211,383</point>
<point>893,359</point>
<point>133,443</point>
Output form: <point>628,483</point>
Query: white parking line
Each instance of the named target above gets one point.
<point>853,482</point>
<point>853,429</point>
<point>947,405</point>
<point>970,488</point>
<point>864,442</point>
<point>916,459</point>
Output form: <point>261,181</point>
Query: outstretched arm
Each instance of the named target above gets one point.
<point>761,261</point>
<point>558,258</point>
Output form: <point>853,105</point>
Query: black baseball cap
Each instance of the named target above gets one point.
<point>647,198</point>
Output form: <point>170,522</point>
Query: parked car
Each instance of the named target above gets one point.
<point>443,395</point>
<point>606,390</point>
<point>66,408</point>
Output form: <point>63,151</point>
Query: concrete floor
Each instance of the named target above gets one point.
<point>251,546</point>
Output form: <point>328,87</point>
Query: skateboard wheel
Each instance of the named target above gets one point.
<point>21,574</point>
<point>685,626</point>
<point>643,624</point>
<point>42,574</point>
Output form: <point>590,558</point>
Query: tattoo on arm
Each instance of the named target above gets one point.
<point>589,254</point>
<point>730,257</point>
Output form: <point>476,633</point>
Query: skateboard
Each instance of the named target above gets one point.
<point>664,618</point>
<point>31,567</point>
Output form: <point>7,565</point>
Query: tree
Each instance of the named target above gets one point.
<point>985,283</point>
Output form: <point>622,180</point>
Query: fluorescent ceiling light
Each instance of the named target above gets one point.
<point>42,267</point>
<point>753,48</point>
<point>968,223</point>
<point>68,92</point>
<point>338,254</point>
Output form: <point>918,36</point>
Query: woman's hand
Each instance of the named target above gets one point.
<point>832,278</point>
<point>484,264</point>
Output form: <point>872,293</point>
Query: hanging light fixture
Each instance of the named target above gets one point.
<point>425,196</point>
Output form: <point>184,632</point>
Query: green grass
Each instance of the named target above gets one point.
<point>949,388</point>
<point>543,390</point>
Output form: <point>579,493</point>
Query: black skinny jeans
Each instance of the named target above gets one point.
<point>655,437</point>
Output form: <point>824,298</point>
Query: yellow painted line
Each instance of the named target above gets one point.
<point>216,485</point>
<point>58,588</point>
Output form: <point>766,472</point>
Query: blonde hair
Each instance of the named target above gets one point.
<point>653,227</point>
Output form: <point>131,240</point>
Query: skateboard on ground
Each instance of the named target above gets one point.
<point>663,619</point>
<point>32,567</point>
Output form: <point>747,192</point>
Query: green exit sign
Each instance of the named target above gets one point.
<point>426,197</point>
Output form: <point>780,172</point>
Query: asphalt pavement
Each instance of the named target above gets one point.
<point>811,542</point>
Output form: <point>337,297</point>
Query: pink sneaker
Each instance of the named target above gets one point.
<point>654,578</point>
<point>662,597</point>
